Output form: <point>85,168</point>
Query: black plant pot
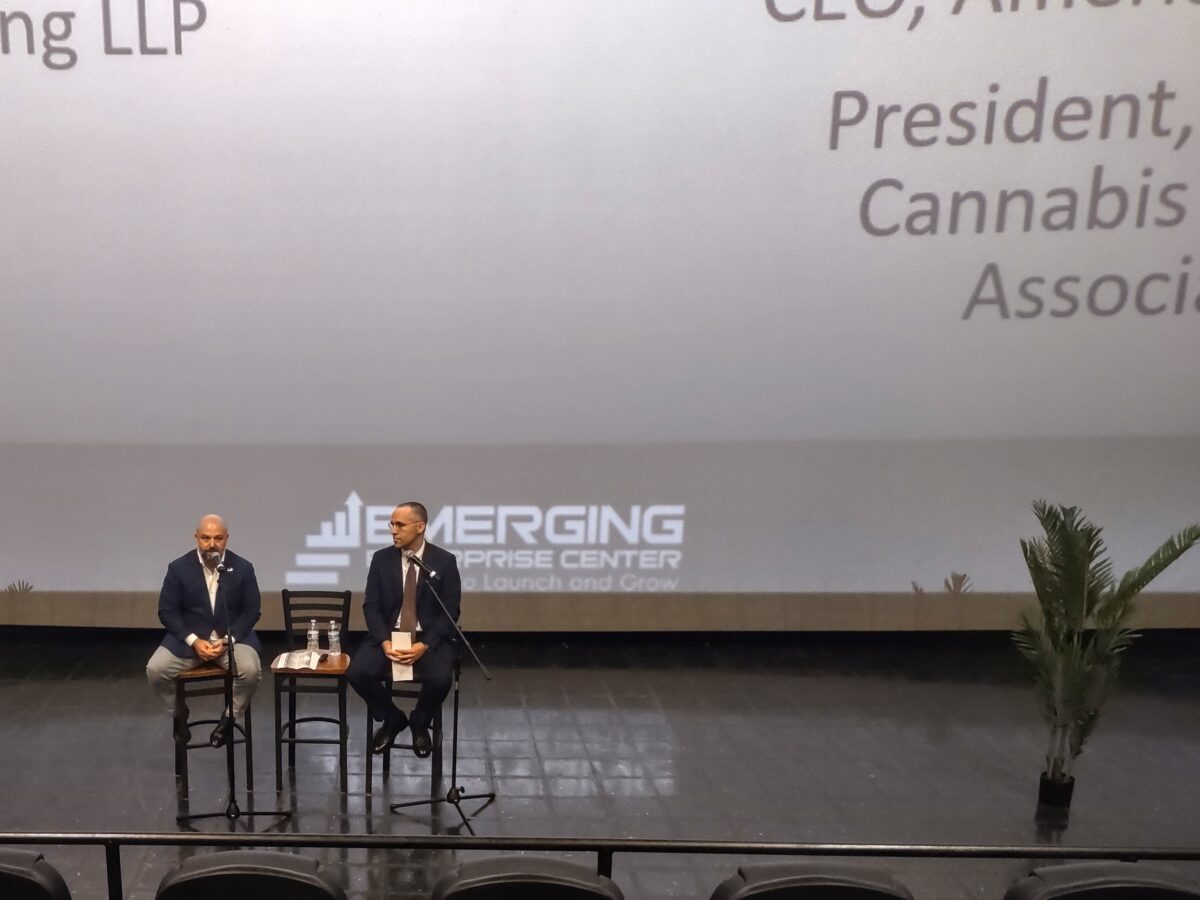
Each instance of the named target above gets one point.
<point>1054,794</point>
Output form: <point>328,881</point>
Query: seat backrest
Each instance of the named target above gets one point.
<point>25,875</point>
<point>301,607</point>
<point>248,875</point>
<point>524,878</point>
<point>816,879</point>
<point>1104,881</point>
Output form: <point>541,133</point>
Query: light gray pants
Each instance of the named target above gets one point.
<point>164,666</point>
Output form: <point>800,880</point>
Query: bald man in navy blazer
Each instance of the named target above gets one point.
<point>434,645</point>
<point>208,593</point>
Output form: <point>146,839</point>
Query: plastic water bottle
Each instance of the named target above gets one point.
<point>314,635</point>
<point>335,638</point>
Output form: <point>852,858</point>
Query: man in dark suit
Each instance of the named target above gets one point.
<point>399,598</point>
<point>207,594</point>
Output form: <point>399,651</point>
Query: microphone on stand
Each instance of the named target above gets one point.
<point>419,563</point>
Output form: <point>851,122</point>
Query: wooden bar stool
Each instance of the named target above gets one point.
<point>411,690</point>
<point>207,680</point>
<point>299,608</point>
<point>329,677</point>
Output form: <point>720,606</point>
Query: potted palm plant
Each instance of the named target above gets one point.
<point>1076,636</point>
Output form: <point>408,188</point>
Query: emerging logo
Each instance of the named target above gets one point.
<point>571,547</point>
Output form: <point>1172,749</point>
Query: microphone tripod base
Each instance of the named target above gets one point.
<point>455,797</point>
<point>233,813</point>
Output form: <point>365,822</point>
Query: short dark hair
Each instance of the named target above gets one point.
<point>418,509</point>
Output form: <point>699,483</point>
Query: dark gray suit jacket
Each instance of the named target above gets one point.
<point>385,590</point>
<point>184,607</point>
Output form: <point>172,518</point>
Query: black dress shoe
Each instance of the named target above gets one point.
<point>223,731</point>
<point>422,743</point>
<point>179,724</point>
<point>386,733</point>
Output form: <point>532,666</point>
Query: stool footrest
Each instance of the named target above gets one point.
<point>292,723</point>
<point>334,741</point>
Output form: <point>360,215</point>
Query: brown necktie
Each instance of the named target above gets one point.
<point>408,603</point>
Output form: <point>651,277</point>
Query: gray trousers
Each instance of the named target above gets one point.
<point>164,666</point>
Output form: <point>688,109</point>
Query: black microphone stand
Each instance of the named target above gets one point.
<point>455,796</point>
<point>231,812</point>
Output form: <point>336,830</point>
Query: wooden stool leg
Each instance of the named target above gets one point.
<point>278,737</point>
<point>292,719</point>
<point>435,779</point>
<point>343,733</point>
<point>370,755</point>
<point>181,765</point>
<point>249,751</point>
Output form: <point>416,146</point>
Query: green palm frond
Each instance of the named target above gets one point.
<point>1113,612</point>
<point>957,583</point>
<point>1109,643</point>
<point>1076,546</point>
<point>1135,580</point>
<point>1029,638</point>
<point>1071,688</point>
<point>1041,571</point>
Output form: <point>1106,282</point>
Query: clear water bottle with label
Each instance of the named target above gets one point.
<point>335,638</point>
<point>314,636</point>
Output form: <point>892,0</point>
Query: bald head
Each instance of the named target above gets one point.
<point>211,538</point>
<point>212,520</point>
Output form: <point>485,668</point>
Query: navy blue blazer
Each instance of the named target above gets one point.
<point>385,591</point>
<point>184,607</point>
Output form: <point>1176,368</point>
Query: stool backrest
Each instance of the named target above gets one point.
<point>301,607</point>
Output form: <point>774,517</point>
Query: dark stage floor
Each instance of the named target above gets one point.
<point>844,738</point>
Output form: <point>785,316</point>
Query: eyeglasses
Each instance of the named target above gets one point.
<point>396,526</point>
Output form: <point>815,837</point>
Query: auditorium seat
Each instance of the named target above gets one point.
<point>25,875</point>
<point>248,875</point>
<point>1104,881</point>
<point>524,878</point>
<point>811,880</point>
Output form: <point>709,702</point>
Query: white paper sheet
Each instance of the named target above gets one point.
<point>401,640</point>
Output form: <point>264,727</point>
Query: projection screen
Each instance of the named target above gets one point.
<point>707,299</point>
